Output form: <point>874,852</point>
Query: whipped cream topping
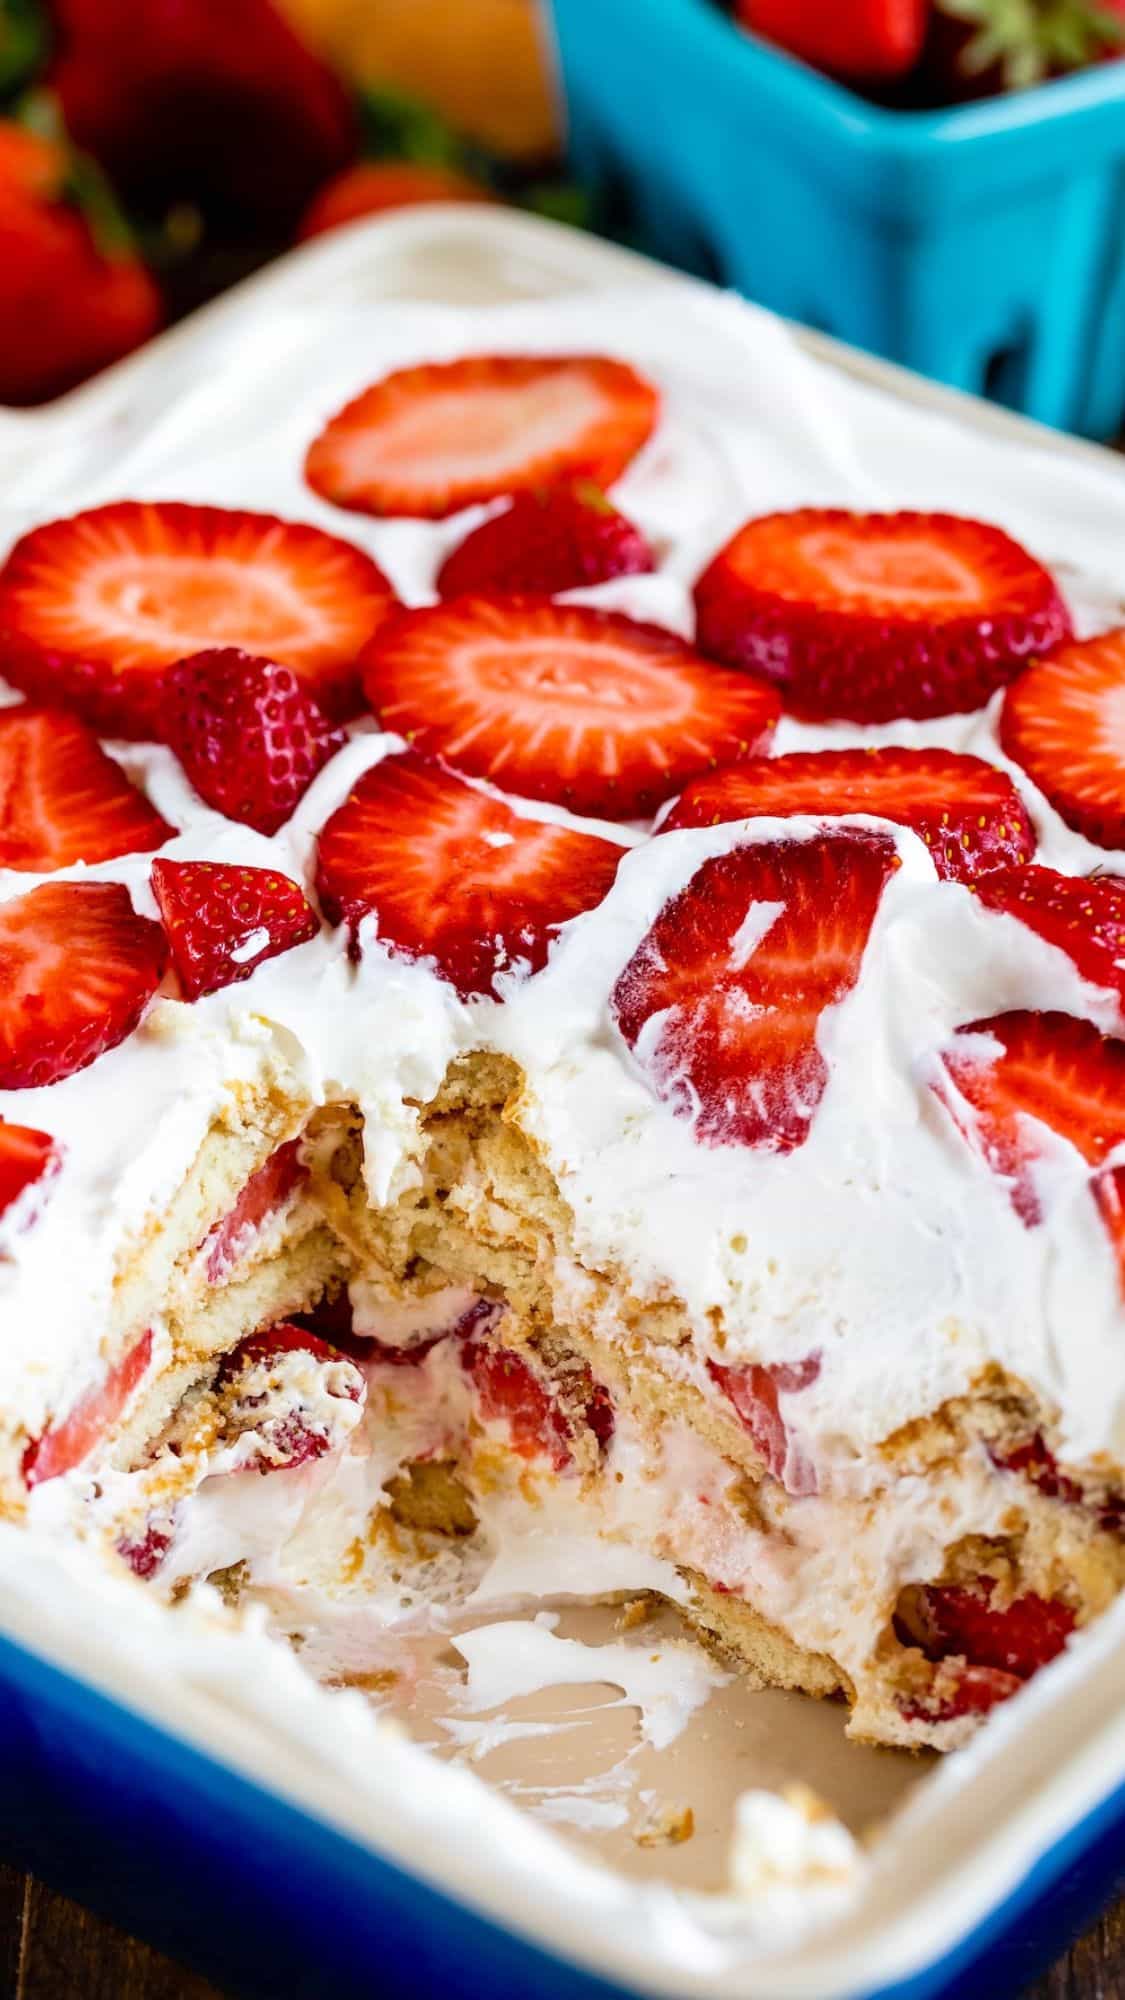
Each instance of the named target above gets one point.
<point>883,1244</point>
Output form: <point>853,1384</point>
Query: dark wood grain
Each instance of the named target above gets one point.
<point>52,1949</point>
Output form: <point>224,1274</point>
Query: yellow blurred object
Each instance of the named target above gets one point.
<point>482,63</point>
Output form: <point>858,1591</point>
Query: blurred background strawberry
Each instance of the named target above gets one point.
<point>213,102</point>
<point>74,294</point>
<point>154,151</point>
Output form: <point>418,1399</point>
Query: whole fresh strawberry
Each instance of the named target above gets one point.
<point>216,102</point>
<point>863,39</point>
<point>73,296</point>
<point>982,48</point>
<point>371,187</point>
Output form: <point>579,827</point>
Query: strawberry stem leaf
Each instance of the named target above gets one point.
<point>1030,40</point>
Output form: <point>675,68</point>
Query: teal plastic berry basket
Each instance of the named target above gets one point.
<point>983,245</point>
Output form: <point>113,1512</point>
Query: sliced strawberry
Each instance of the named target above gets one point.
<point>734,977</point>
<point>554,538</point>
<point>295,1435</point>
<point>559,701</point>
<point>28,1160</point>
<point>248,733</point>
<point>1084,916</point>
<point>94,608</point>
<point>455,876</point>
<point>1036,1462</point>
<point>263,1195</point>
<point>509,1391</point>
<point>65,1444</point>
<point>78,967</point>
<point>1061,721</point>
<point>1018,1071</point>
<point>474,1323</point>
<point>872,616</point>
<point>1016,1638</point>
<point>1109,1193</point>
<point>753,1390</point>
<point>63,800</point>
<point>430,440</point>
<point>222,921</point>
<point>145,1553</point>
<point>959,1689</point>
<point>969,814</point>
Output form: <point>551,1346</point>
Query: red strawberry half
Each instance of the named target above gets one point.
<point>62,799</point>
<point>969,814</point>
<point>78,967</point>
<point>509,1390</point>
<point>263,1196</point>
<point>753,1389</point>
<point>1017,1638</point>
<point>430,440</point>
<point>94,608</point>
<point>66,1443</point>
<point>223,921</point>
<point>1062,722</point>
<point>1051,1070</point>
<point>293,1435</point>
<point>28,1161</point>
<point>871,616</point>
<point>248,733</point>
<point>558,701</point>
<point>1084,916</point>
<point>453,875</point>
<point>722,1013</point>
<point>548,540</point>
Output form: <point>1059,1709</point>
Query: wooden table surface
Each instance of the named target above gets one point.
<point>51,1949</point>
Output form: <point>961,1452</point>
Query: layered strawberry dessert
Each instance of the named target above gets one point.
<point>547,1007</point>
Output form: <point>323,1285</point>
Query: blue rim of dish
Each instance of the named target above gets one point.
<point>173,1761</point>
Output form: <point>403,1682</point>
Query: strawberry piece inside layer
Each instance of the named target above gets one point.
<point>1062,722</point>
<point>78,967</point>
<point>453,875</point>
<point>753,1389</point>
<point>1036,1462</point>
<point>1016,1638</point>
<point>1016,1073</point>
<point>959,1689</point>
<point>722,1001</point>
<point>969,814</point>
<point>248,733</point>
<point>1084,916</point>
<point>295,1434</point>
<point>145,1553</point>
<point>866,617</point>
<point>430,440</point>
<point>63,800</point>
<point>509,1390</point>
<point>28,1160</point>
<point>93,609</point>
<point>264,1194</point>
<point>223,922</point>
<point>65,1444</point>
<point>558,701</point>
<point>554,539</point>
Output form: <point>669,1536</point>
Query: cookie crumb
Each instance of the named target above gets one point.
<point>637,1612</point>
<point>665,1825</point>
